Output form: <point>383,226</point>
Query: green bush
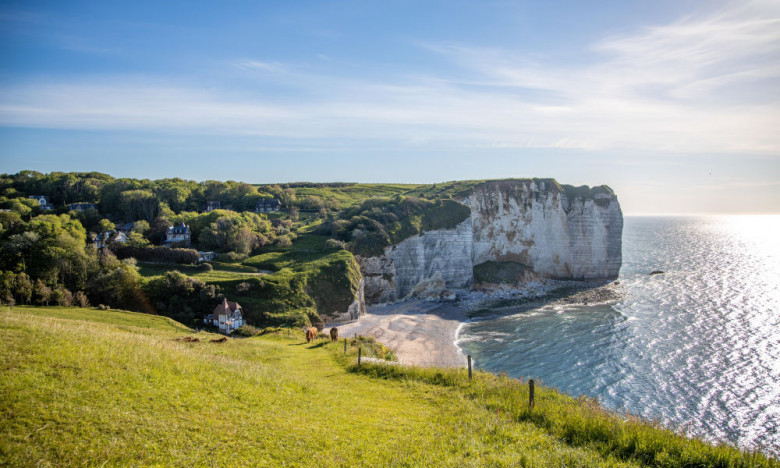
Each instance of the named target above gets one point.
<point>246,331</point>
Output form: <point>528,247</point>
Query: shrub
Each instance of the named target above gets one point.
<point>246,331</point>
<point>243,288</point>
<point>233,256</point>
<point>80,299</point>
<point>62,296</point>
<point>336,244</point>
<point>206,267</point>
<point>156,254</point>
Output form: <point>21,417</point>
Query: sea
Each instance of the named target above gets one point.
<point>696,347</point>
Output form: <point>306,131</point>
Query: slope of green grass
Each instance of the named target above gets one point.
<point>78,389</point>
<point>353,194</point>
<point>120,318</point>
<point>301,283</point>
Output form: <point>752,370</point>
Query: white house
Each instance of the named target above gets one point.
<point>207,256</point>
<point>43,201</point>
<point>227,316</point>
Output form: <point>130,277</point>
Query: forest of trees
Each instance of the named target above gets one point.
<point>48,257</point>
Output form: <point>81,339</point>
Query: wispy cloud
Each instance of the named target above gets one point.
<point>701,84</point>
<point>271,67</point>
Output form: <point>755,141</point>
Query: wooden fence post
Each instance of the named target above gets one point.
<point>469,357</point>
<point>359,353</point>
<point>531,394</point>
<point>345,346</point>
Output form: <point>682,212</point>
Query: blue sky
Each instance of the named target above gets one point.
<point>675,104</point>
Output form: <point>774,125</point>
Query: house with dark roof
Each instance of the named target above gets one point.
<point>43,201</point>
<point>82,206</point>
<point>104,238</point>
<point>266,205</point>
<point>178,236</point>
<point>127,228</point>
<point>227,316</point>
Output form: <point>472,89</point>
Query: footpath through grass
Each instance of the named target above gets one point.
<point>88,387</point>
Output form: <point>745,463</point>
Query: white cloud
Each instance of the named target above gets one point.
<point>271,67</point>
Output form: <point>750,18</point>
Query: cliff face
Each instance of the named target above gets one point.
<point>421,265</point>
<point>518,230</point>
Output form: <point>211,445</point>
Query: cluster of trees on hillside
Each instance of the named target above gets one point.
<point>49,257</point>
<point>377,223</point>
<point>46,261</point>
<point>137,198</point>
<point>154,205</point>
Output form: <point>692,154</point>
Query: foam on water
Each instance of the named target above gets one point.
<point>697,347</point>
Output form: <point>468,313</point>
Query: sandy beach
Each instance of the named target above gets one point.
<point>421,333</point>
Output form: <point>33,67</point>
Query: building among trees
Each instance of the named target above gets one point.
<point>178,236</point>
<point>266,205</point>
<point>227,316</point>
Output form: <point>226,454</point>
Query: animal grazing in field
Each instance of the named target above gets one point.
<point>220,340</point>
<point>334,334</point>
<point>190,339</point>
<point>311,334</point>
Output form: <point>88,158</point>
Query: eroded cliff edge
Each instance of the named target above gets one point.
<point>517,230</point>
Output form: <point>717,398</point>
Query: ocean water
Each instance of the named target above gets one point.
<point>697,347</point>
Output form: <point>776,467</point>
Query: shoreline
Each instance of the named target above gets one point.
<point>425,333</point>
<point>420,333</point>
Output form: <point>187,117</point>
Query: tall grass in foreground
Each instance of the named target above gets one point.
<point>580,422</point>
<point>91,387</point>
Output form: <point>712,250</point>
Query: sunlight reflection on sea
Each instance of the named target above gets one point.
<point>697,347</point>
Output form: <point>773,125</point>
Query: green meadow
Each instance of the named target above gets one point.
<point>95,387</point>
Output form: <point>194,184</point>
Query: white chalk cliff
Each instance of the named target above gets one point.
<point>518,230</point>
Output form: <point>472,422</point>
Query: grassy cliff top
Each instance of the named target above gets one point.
<point>90,387</point>
<point>346,195</point>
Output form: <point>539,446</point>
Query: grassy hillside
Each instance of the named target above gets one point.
<point>88,387</point>
<point>283,286</point>
<point>349,195</point>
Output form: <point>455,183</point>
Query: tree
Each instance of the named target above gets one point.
<point>23,288</point>
<point>42,293</point>
<point>80,299</point>
<point>139,204</point>
<point>118,284</point>
<point>105,225</point>
<point>180,297</point>
<point>7,280</point>
<point>62,296</point>
<point>141,227</point>
<point>135,239</point>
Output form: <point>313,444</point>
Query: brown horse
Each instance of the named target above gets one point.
<point>334,334</point>
<point>311,334</point>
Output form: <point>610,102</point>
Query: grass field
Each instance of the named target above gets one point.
<point>353,194</point>
<point>89,387</point>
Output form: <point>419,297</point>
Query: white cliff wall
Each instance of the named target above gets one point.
<point>535,224</point>
<point>424,264</point>
<point>527,222</point>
